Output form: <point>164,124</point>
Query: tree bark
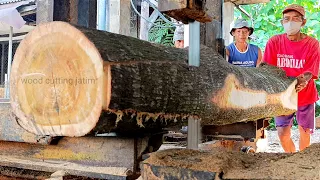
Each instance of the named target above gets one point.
<point>95,81</point>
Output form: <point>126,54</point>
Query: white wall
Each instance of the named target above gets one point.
<point>228,20</point>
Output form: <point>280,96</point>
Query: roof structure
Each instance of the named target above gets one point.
<point>9,1</point>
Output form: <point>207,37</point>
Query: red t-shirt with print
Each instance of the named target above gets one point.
<point>295,58</point>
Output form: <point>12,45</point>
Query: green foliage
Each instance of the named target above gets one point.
<point>272,124</point>
<point>266,19</point>
<point>162,35</point>
<point>318,102</point>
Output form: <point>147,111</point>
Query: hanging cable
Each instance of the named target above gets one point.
<point>159,13</point>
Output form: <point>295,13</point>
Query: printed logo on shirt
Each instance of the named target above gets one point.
<point>284,60</point>
<point>243,63</point>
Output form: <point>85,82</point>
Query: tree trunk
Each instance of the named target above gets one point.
<point>71,81</point>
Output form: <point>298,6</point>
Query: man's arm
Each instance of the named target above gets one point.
<point>259,57</point>
<point>227,54</point>
<point>311,69</point>
<point>303,80</point>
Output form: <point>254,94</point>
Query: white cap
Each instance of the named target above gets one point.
<point>178,33</point>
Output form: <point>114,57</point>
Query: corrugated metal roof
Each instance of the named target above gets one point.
<point>9,1</point>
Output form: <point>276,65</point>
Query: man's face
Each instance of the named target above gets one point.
<point>293,16</point>
<point>241,34</point>
<point>179,44</point>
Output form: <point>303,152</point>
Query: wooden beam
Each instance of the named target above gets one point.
<point>245,2</point>
<point>211,32</point>
<point>94,157</point>
<point>185,10</point>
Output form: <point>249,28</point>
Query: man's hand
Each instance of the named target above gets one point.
<point>303,80</point>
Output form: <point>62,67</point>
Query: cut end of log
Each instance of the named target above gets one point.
<point>289,98</point>
<point>57,81</point>
<point>234,96</point>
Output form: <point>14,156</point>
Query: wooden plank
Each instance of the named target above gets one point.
<point>167,5</point>
<point>246,130</point>
<point>211,32</point>
<point>185,10</point>
<point>96,151</point>
<point>245,2</point>
<point>76,169</point>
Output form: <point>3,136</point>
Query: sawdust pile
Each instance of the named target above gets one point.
<point>238,165</point>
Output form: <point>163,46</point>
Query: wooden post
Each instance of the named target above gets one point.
<point>120,16</point>
<point>143,23</point>
<point>211,32</point>
<point>194,133</point>
<point>44,11</point>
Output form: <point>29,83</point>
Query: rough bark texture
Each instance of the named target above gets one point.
<point>141,86</point>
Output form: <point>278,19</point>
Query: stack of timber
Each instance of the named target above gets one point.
<point>71,81</point>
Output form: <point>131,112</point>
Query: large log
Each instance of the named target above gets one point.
<point>70,81</point>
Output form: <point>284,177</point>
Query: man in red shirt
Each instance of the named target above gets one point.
<point>298,55</point>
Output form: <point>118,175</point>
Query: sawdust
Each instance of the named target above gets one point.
<point>239,165</point>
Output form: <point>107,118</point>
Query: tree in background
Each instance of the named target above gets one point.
<point>265,18</point>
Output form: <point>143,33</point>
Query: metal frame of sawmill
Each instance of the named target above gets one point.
<point>229,136</point>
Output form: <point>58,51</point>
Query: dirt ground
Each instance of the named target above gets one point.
<point>271,164</point>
